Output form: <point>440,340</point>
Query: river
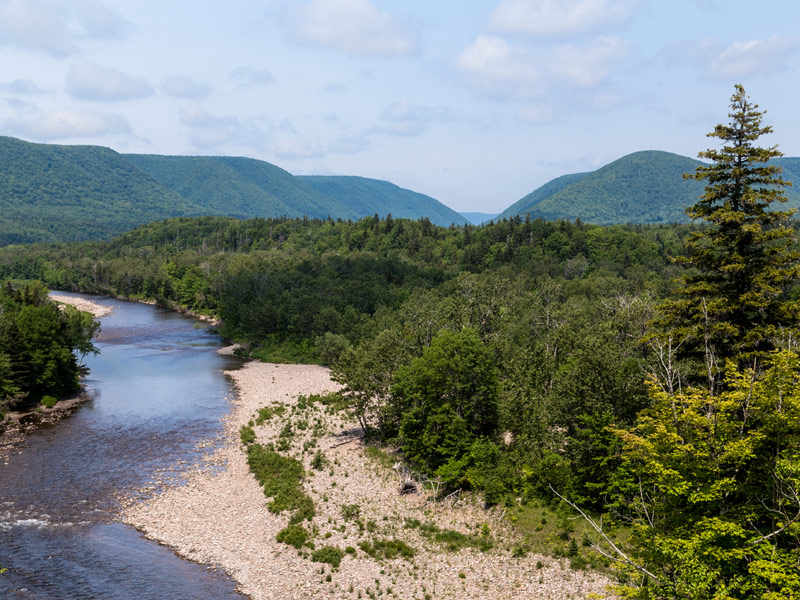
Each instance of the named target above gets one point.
<point>156,389</point>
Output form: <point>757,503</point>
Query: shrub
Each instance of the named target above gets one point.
<point>49,401</point>
<point>388,549</point>
<point>247,435</point>
<point>294,535</point>
<point>281,478</point>
<point>328,554</point>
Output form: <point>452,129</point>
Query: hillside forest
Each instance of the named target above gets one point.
<point>644,376</point>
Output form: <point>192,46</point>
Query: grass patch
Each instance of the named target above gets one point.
<point>387,549</point>
<point>328,554</point>
<point>552,531</point>
<point>281,478</point>
<point>452,540</point>
<point>265,414</point>
<point>380,456</point>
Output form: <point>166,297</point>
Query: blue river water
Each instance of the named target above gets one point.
<point>156,389</point>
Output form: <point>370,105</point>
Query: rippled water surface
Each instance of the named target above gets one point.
<point>156,389</point>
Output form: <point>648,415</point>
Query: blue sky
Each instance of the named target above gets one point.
<point>475,103</point>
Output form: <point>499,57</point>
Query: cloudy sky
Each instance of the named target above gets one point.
<point>475,102</point>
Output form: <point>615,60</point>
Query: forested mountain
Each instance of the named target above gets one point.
<point>369,196</point>
<point>643,187</point>
<point>74,193</point>
<point>240,187</point>
<point>54,193</point>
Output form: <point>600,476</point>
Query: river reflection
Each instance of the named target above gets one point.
<point>156,389</point>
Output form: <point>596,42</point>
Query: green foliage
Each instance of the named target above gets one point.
<point>264,415</point>
<point>445,400</point>
<point>643,187</point>
<point>281,478</point>
<point>713,481</point>
<point>49,401</point>
<point>54,193</point>
<point>387,549</point>
<point>328,554</point>
<point>734,303</point>
<point>367,196</point>
<point>452,540</point>
<point>295,535</point>
<point>247,435</point>
<point>40,345</point>
<point>330,346</point>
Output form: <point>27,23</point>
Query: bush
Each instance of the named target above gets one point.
<point>330,346</point>
<point>247,435</point>
<point>294,535</point>
<point>328,554</point>
<point>388,549</point>
<point>49,401</point>
<point>281,477</point>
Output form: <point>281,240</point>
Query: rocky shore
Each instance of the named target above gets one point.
<point>15,425</point>
<point>219,516</point>
<point>97,310</point>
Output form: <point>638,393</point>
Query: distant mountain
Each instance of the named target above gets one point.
<point>54,193</point>
<point>476,218</point>
<point>643,187</point>
<point>370,196</point>
<point>238,187</point>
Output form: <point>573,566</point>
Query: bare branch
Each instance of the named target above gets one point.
<point>599,530</point>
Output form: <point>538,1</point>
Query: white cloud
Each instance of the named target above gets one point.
<point>69,123</point>
<point>184,86</point>
<point>354,27</point>
<point>89,81</point>
<point>554,18</point>
<point>296,148</point>
<point>407,118</point>
<point>742,59</point>
<point>505,71</point>
<point>349,145</point>
<point>56,27</point>
<point>250,77</point>
<point>21,87</point>
<point>212,131</point>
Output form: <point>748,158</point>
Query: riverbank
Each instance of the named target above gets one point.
<point>15,425</point>
<point>96,310</point>
<point>220,515</point>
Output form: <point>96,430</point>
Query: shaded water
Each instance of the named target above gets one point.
<point>156,389</point>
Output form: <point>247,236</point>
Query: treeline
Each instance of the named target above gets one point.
<point>41,346</point>
<point>278,281</point>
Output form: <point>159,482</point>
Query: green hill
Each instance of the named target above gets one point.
<point>55,193</point>
<point>525,205</point>
<point>369,196</point>
<point>238,187</point>
<point>643,187</point>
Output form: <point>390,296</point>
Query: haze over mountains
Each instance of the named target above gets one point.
<point>71,193</point>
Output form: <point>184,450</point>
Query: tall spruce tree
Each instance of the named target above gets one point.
<point>734,303</point>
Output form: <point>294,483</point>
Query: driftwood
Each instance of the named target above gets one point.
<point>414,479</point>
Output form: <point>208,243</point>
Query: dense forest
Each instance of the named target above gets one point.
<point>648,374</point>
<point>42,346</point>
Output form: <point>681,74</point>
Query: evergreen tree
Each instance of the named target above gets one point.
<point>733,303</point>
